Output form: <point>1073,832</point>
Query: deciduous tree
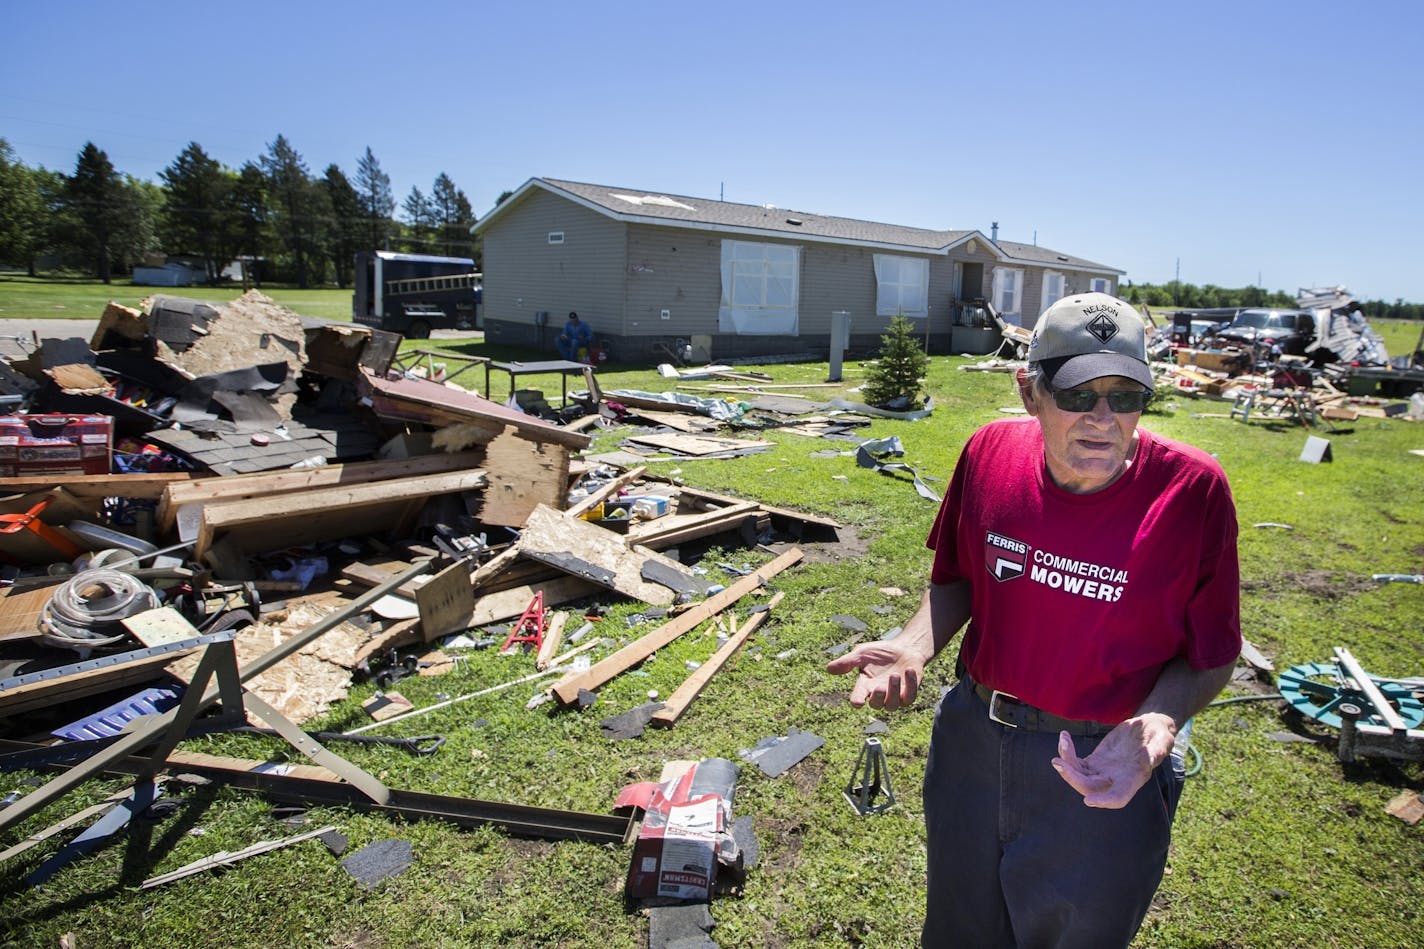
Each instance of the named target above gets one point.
<point>23,214</point>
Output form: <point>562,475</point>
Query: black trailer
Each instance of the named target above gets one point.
<point>412,294</point>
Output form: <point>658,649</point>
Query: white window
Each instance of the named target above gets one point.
<point>1008,294</point>
<point>1100,285</point>
<point>556,237</point>
<point>902,286</point>
<point>761,288</point>
<point>1052,288</point>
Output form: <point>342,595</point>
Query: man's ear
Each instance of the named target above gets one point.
<point>1026,391</point>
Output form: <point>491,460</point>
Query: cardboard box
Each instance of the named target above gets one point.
<point>685,833</point>
<point>675,854</point>
<point>55,445</point>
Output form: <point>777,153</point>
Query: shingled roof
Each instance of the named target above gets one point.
<point>634,205</point>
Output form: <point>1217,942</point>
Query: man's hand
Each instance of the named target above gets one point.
<point>1122,762</point>
<point>889,674</point>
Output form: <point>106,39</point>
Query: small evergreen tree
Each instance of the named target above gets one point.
<point>898,376</point>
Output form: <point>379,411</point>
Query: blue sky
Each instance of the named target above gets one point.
<point>1233,143</point>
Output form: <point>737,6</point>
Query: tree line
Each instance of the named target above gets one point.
<point>285,223</point>
<point>1188,296</point>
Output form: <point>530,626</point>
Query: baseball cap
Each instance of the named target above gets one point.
<point>1086,336</point>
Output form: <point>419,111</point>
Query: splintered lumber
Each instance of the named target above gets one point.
<point>594,553</point>
<point>566,690</point>
<point>552,640</point>
<point>676,529</point>
<point>674,705</point>
<point>267,483</point>
<point>324,513</point>
<point>521,475</point>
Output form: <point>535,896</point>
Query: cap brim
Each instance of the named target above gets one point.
<point>1076,370</point>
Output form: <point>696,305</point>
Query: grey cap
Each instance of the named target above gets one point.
<point>1087,336</point>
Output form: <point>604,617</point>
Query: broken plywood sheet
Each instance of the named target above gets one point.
<point>678,420</point>
<point>305,684</point>
<point>250,330</point>
<point>445,601</point>
<point>122,321</point>
<point>698,444</point>
<point>421,400</point>
<point>523,474</point>
<point>566,543</point>
<point>510,603</point>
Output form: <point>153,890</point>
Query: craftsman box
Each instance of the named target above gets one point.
<point>685,834</point>
<point>55,445</point>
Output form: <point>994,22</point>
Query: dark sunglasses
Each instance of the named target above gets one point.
<point>1085,400</point>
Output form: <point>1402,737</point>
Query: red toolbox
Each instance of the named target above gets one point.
<point>55,445</point>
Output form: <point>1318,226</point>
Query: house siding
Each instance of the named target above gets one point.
<point>673,269</point>
<point>621,275</point>
<point>525,274</point>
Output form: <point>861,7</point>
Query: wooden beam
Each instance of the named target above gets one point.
<point>566,690</point>
<point>322,513</point>
<point>674,705</point>
<point>553,638</point>
<point>266,483</point>
<point>140,485</point>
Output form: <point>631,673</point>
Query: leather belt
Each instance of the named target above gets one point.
<point>1013,713</point>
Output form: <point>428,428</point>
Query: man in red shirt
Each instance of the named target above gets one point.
<point>1095,564</point>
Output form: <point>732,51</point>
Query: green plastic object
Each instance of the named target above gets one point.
<point>1317,689</point>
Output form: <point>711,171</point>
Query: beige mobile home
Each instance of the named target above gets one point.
<point>652,272</point>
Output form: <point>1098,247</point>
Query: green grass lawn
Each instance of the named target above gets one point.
<point>27,298</point>
<point>1277,843</point>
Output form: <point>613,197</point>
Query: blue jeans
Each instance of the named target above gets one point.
<point>1016,859</point>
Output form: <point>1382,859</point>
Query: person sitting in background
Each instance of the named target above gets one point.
<point>575,340</point>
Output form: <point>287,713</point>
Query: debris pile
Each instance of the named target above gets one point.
<point>256,512</point>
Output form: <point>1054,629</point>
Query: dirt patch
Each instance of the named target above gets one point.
<point>1317,583</point>
<point>845,544</point>
<point>518,852</point>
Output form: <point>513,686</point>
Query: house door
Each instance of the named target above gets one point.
<point>972,285</point>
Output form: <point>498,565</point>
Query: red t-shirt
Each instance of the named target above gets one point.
<point>1079,600</point>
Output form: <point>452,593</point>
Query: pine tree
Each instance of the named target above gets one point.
<point>898,377</point>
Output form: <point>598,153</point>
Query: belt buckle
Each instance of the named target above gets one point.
<point>994,698</point>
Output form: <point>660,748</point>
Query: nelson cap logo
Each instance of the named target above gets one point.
<point>1102,325</point>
